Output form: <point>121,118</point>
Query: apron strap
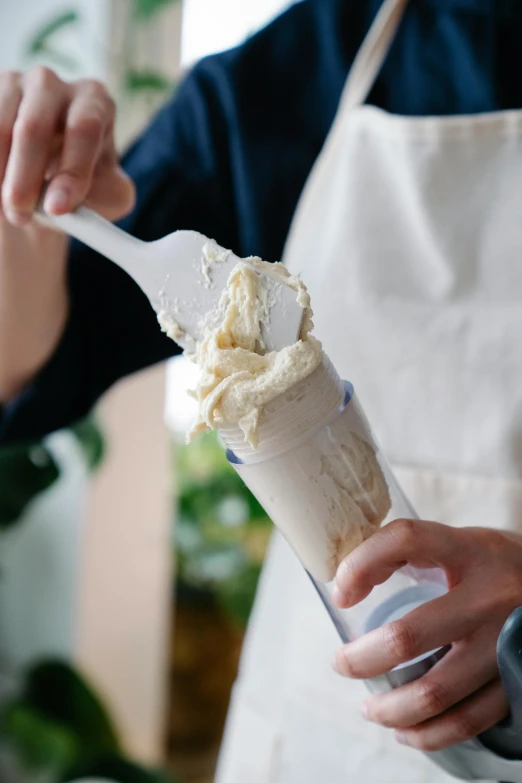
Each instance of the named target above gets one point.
<point>370,57</point>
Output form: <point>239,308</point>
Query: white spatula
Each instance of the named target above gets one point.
<point>174,275</point>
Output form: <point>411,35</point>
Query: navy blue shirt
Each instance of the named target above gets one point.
<point>229,156</point>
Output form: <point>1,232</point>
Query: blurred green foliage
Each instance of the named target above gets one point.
<point>91,441</point>
<point>146,81</point>
<point>57,727</point>
<point>45,46</point>
<point>42,44</point>
<point>221,531</point>
<point>146,9</point>
<point>27,469</point>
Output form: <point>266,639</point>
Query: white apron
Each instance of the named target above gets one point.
<point>409,237</point>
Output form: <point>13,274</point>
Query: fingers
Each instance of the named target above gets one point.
<point>456,677</point>
<point>61,133</point>
<point>39,111</point>
<point>466,720</point>
<point>112,192</point>
<point>421,544</point>
<point>462,695</point>
<point>435,624</point>
<point>10,98</point>
<point>89,118</point>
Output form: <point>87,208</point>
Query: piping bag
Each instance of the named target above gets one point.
<point>322,478</point>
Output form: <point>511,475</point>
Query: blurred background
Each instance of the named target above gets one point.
<point>128,561</point>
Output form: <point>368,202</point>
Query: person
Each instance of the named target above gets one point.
<point>397,197</point>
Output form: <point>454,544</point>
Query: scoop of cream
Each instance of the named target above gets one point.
<point>326,499</point>
<point>237,376</point>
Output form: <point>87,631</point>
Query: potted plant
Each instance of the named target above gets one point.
<point>221,535</point>
<point>56,729</point>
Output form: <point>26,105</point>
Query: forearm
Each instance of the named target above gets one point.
<point>33,302</point>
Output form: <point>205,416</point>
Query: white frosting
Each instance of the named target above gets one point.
<point>212,254</point>
<point>327,492</point>
<point>237,377</point>
<point>170,326</point>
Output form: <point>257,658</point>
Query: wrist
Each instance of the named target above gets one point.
<point>33,302</point>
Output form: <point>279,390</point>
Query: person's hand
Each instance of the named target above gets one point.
<point>461,696</point>
<point>60,134</point>
<point>63,133</point>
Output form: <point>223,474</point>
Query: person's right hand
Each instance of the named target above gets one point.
<point>462,696</point>
<point>63,133</point>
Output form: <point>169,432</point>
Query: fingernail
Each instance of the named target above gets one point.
<point>335,664</point>
<point>338,597</point>
<point>401,737</point>
<point>56,200</point>
<point>365,711</point>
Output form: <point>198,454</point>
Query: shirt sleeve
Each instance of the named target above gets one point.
<point>179,166</point>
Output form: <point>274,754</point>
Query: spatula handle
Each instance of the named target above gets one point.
<point>101,235</point>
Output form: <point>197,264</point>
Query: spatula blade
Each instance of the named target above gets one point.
<point>193,288</point>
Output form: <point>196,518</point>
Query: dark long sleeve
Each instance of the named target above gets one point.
<point>112,330</point>
<point>229,156</point>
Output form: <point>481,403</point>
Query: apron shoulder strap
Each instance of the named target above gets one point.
<point>370,57</point>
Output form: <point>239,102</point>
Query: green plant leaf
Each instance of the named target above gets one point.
<point>216,554</point>
<point>200,461</point>
<point>38,744</point>
<point>39,42</point>
<point>147,81</point>
<point>59,59</point>
<point>236,595</point>
<point>214,564</point>
<point>145,9</point>
<point>91,440</point>
<point>121,771</point>
<point>26,470</point>
<point>56,691</point>
<point>191,595</point>
<point>58,728</point>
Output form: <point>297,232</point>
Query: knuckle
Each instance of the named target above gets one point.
<point>506,595</point>
<point>77,175</point>
<point>15,196</point>
<point>349,670</point>
<point>95,86</point>
<point>494,539</point>
<point>86,126</point>
<point>109,107</point>
<point>405,531</point>
<point>381,716</point>
<point>427,743</point>
<point>31,128</point>
<point>6,132</point>
<point>464,726</point>
<point>345,573</point>
<point>96,90</point>
<point>343,666</point>
<point>42,76</point>
<point>432,697</point>
<point>490,547</point>
<point>399,641</point>
<point>10,78</point>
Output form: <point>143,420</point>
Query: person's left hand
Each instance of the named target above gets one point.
<point>462,695</point>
